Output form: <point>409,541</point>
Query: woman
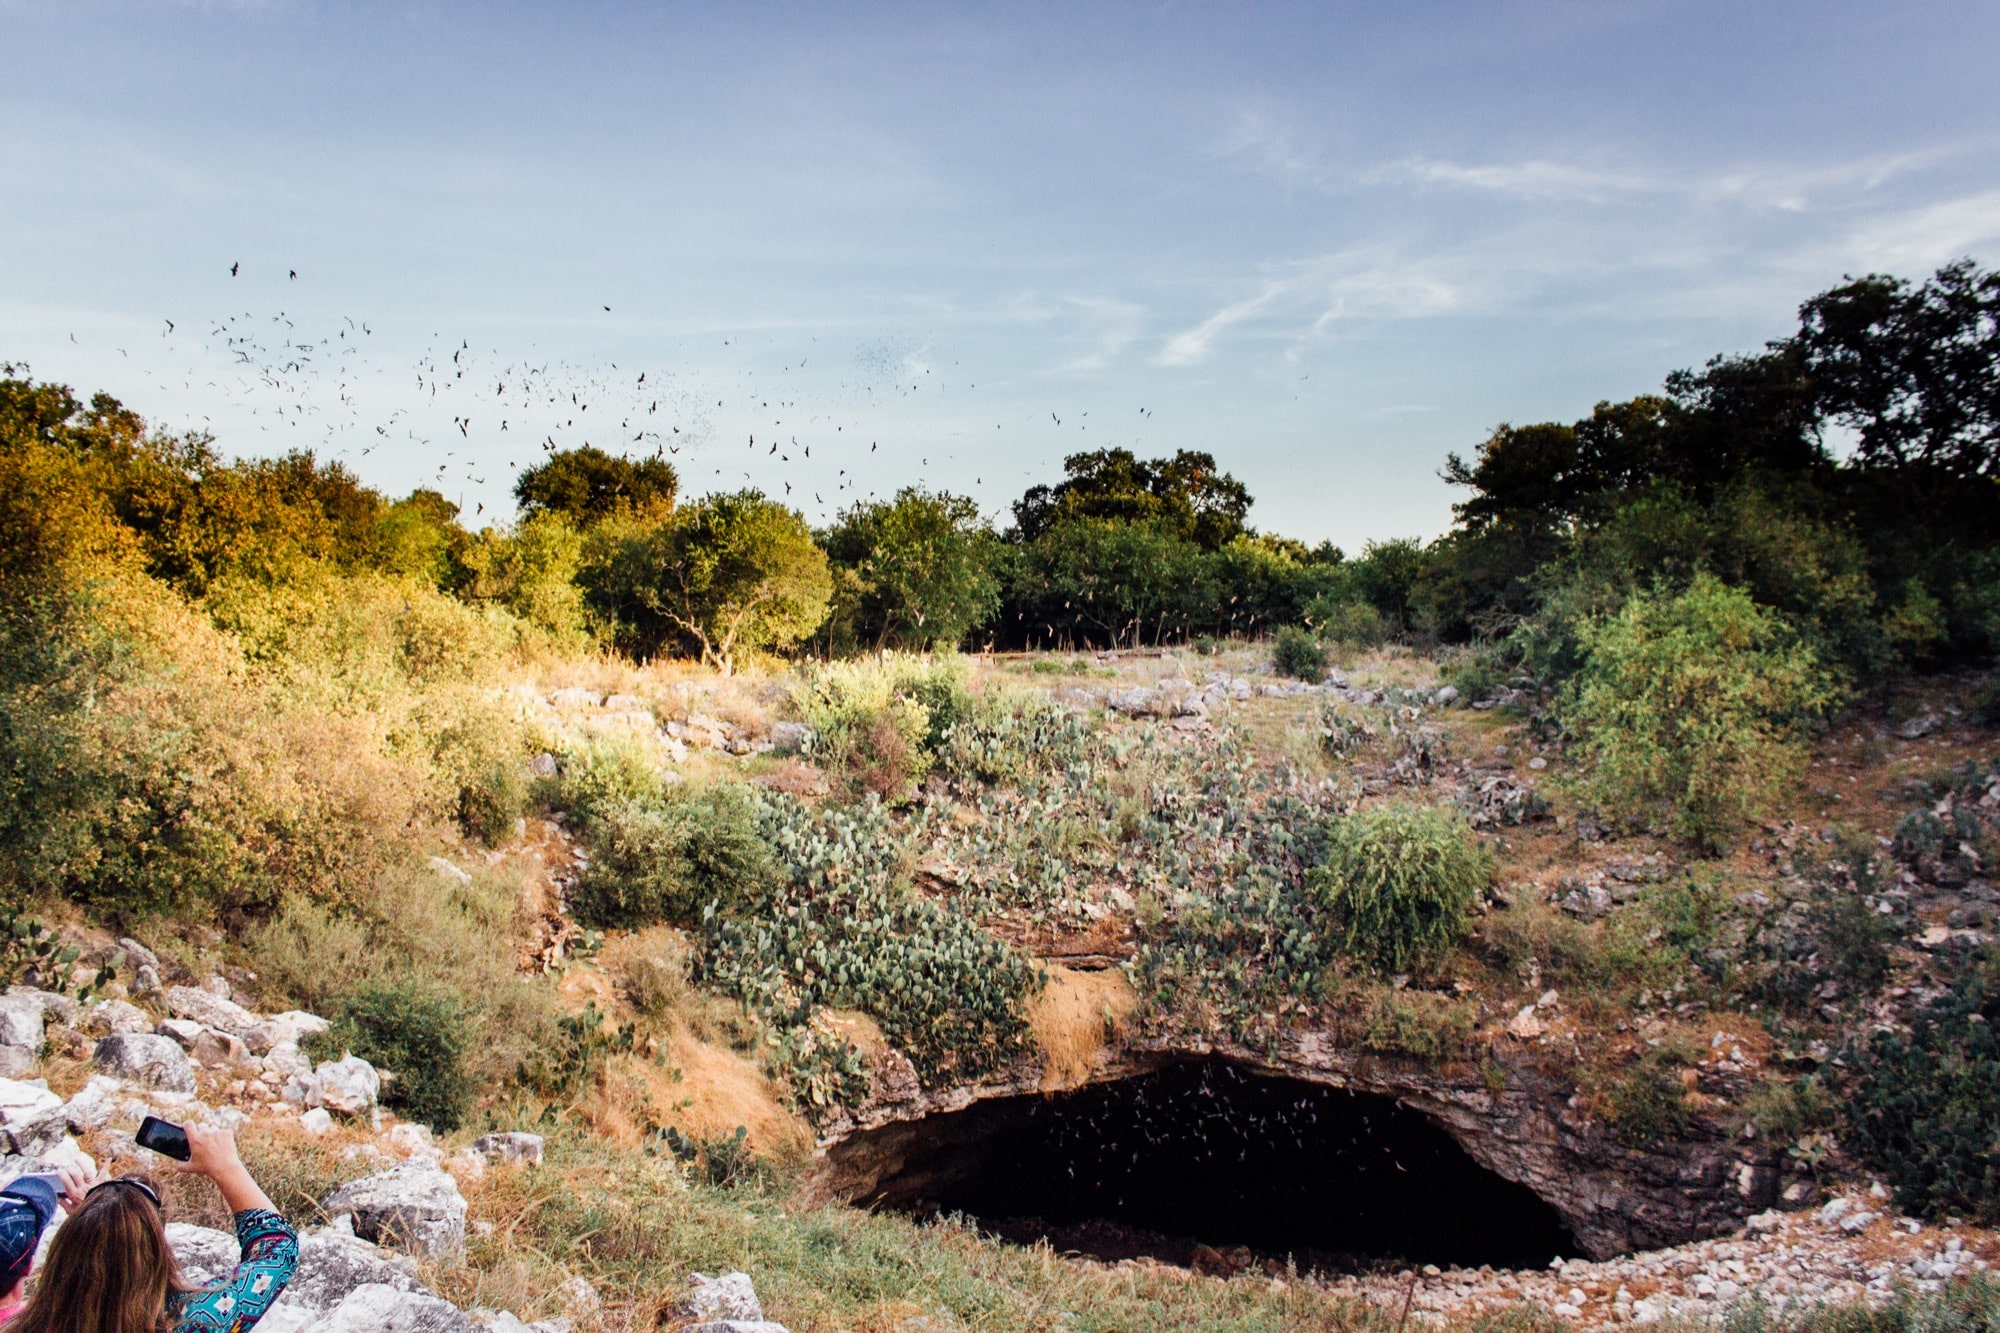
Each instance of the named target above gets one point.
<point>109,1269</point>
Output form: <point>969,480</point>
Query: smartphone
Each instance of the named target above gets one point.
<point>163,1137</point>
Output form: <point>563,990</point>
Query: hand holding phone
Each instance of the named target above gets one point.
<point>164,1138</point>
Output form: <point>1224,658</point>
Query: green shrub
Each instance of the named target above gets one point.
<point>671,858</point>
<point>1349,622</point>
<point>563,1068</point>
<point>1401,881</point>
<point>489,807</point>
<point>607,773</point>
<point>1694,706</point>
<point>1647,1102</point>
<point>881,721</point>
<point>420,1033</point>
<point>1296,653</point>
<point>1414,1023</point>
<point>1924,1108</point>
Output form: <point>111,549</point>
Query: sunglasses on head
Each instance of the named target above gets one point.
<point>131,1183</point>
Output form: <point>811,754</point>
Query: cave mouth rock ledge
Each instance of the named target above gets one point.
<point>1331,1156</point>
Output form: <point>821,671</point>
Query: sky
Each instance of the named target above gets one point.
<point>952,244</point>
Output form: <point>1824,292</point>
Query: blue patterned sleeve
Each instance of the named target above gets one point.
<point>270,1254</point>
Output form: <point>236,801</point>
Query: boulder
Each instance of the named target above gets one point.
<point>575,697</point>
<point>447,871</point>
<point>110,1016</point>
<point>508,1148</point>
<point>1922,725</point>
<point>348,1085</point>
<point>735,1326</point>
<point>789,737</point>
<point>413,1206</point>
<point>286,1061</point>
<point>1135,702</point>
<point>184,1031</point>
<point>93,1106</point>
<point>316,1121</point>
<point>55,1008</point>
<point>286,1029</point>
<point>216,1049</point>
<point>205,1254</point>
<point>377,1308</point>
<point>724,1297</point>
<point>138,955</point>
<point>146,981</point>
<point>21,1023</point>
<point>148,1060</point>
<point>210,1010</point>
<point>16,1062</point>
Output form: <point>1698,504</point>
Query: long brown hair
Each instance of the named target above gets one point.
<point>109,1269</point>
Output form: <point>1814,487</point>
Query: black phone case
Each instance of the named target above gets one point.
<point>163,1137</point>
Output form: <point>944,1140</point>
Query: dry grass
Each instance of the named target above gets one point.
<point>1077,1016</point>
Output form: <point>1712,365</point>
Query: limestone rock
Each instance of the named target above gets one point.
<point>16,1062</point>
<point>210,1010</point>
<point>286,1029</point>
<point>789,737</point>
<point>217,1049</point>
<point>205,1254</point>
<point>184,1031</point>
<point>1921,725</point>
<point>510,1148</point>
<point>728,1296</point>
<point>349,1085</point>
<point>148,1060</point>
<point>377,1308</point>
<point>413,1206</point>
<point>111,1016</point>
<point>316,1121</point>
<point>734,1326</point>
<point>445,870</point>
<point>21,1022</point>
<point>138,955</point>
<point>575,697</point>
<point>286,1061</point>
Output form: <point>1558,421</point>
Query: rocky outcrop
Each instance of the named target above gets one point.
<point>414,1206</point>
<point>1510,1117</point>
<point>146,1059</point>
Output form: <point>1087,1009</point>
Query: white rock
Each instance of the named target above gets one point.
<point>445,870</point>
<point>21,1023</point>
<point>348,1085</point>
<point>138,955</point>
<point>1854,1222</point>
<point>185,1031</point>
<point>210,1010</point>
<point>22,1101</point>
<point>383,1309</point>
<point>511,1147</point>
<point>413,1206</point>
<point>16,1062</point>
<point>286,1060</point>
<point>410,1139</point>
<point>109,1017</point>
<point>1835,1209</point>
<point>727,1296</point>
<point>286,1029</point>
<point>316,1121</point>
<point>94,1104</point>
<point>148,1060</point>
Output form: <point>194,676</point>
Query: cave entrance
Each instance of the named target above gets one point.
<point>1203,1157</point>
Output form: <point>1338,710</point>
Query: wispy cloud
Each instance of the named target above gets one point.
<point>1922,238</point>
<point>1306,302</point>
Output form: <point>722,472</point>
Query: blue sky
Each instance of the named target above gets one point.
<point>1328,243</point>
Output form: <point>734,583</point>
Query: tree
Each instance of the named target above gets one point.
<point>726,575</point>
<point>921,567</point>
<point>1914,371</point>
<point>587,485</point>
<point>1094,580</point>
<point>1187,492</point>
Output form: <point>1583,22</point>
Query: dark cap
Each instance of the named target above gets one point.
<point>26,1206</point>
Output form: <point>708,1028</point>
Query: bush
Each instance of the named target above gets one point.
<point>1401,881</point>
<point>672,858</point>
<point>1925,1107</point>
<point>1347,621</point>
<point>1648,1102</point>
<point>1694,706</point>
<point>1007,737</point>
<point>1414,1023</point>
<point>881,721</point>
<point>1296,653</point>
<point>419,1032</point>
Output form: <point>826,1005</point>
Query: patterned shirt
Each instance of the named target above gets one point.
<point>270,1253</point>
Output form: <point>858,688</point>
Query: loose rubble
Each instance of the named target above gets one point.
<point>1851,1250</point>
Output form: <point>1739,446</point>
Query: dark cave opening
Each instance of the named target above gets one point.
<point>1207,1154</point>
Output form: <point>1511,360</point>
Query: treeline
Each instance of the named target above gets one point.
<point>1883,554</point>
